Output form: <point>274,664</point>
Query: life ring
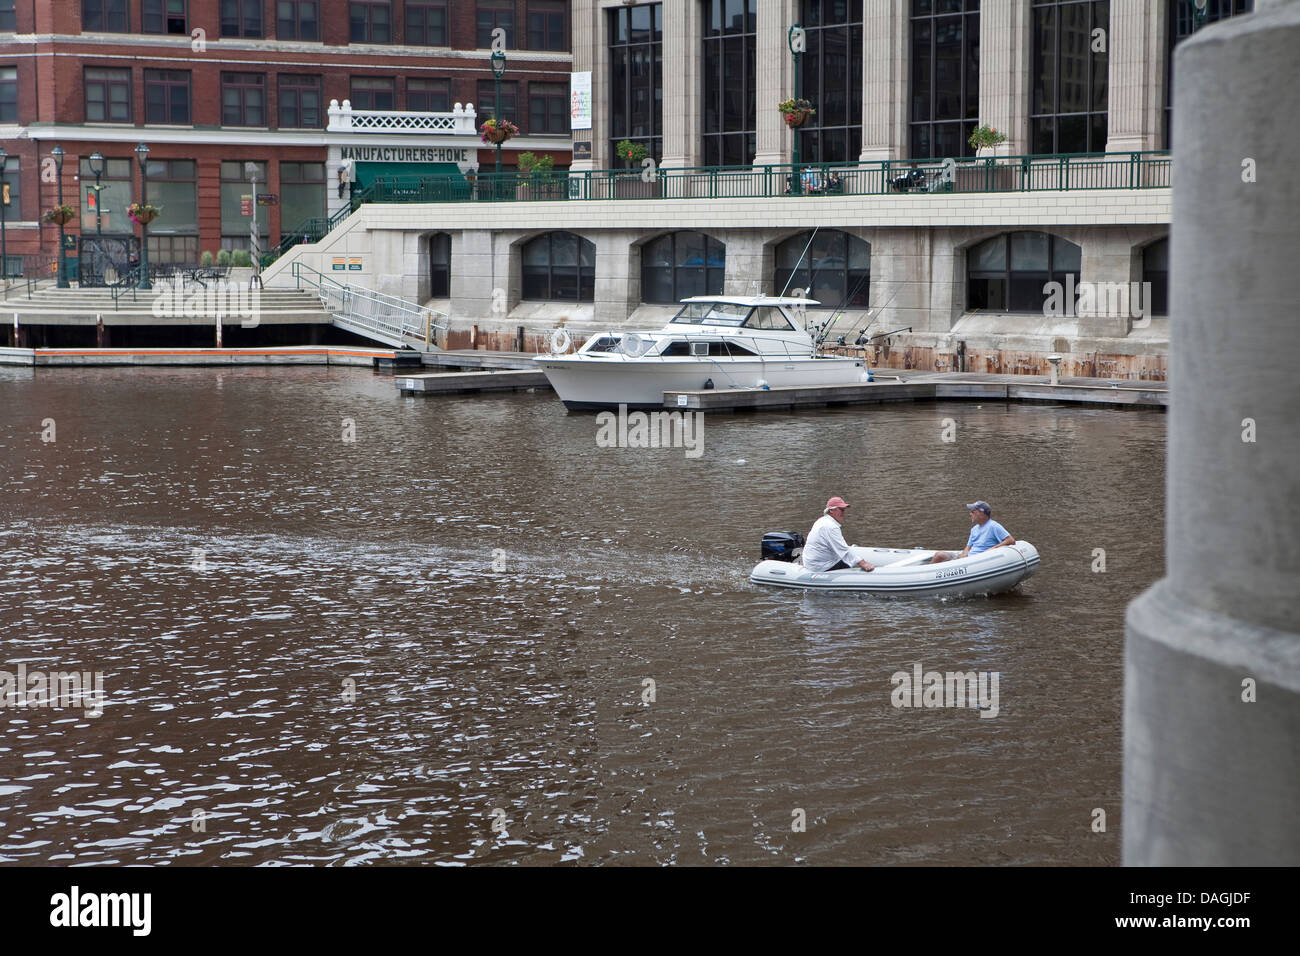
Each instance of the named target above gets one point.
<point>560,341</point>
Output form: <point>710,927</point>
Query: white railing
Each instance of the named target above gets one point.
<point>376,315</point>
<point>462,120</point>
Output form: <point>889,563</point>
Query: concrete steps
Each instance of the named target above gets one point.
<point>78,307</point>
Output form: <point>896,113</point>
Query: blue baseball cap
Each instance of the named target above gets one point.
<point>980,506</point>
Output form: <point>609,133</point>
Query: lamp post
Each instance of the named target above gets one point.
<point>57,152</point>
<point>254,240</point>
<point>97,168</point>
<point>142,155</point>
<point>795,40</point>
<point>4,214</point>
<point>498,70</point>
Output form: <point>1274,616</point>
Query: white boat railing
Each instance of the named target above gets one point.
<point>760,346</point>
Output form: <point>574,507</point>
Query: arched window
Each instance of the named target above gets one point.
<point>1155,269</point>
<point>1007,273</point>
<point>439,265</point>
<point>835,270</point>
<point>682,264</point>
<point>560,267</point>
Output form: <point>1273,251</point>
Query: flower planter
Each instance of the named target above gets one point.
<point>58,218</point>
<point>145,217</point>
<point>797,118</point>
<point>495,136</point>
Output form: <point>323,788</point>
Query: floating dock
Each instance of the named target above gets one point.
<point>449,383</point>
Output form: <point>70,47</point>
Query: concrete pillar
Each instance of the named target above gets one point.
<point>472,274</point>
<point>775,69</point>
<point>1136,80</point>
<point>1209,778</point>
<point>885,59</point>
<point>1005,38</point>
<point>587,35</point>
<point>683,56</point>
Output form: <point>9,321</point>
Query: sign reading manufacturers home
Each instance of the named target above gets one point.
<point>405,154</point>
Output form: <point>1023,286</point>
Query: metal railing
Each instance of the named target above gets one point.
<point>376,315</point>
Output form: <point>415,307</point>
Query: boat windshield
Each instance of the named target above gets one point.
<point>712,313</point>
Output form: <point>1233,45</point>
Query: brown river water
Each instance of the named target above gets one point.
<point>307,656</point>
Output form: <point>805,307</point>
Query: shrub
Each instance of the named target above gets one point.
<point>223,257</point>
<point>241,259</point>
<point>206,259</point>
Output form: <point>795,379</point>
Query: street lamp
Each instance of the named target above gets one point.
<point>96,162</point>
<point>57,152</point>
<point>4,213</point>
<point>142,155</point>
<point>498,59</point>
<point>795,40</point>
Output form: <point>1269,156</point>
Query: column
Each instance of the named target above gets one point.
<point>587,34</point>
<point>1136,79</point>
<point>775,69</point>
<point>1005,38</point>
<point>885,58</point>
<point>1212,657</point>
<point>683,53</point>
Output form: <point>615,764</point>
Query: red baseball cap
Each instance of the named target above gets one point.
<point>836,503</point>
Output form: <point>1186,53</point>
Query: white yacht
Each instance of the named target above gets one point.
<point>713,342</point>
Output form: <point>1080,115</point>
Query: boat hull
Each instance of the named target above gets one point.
<point>904,572</point>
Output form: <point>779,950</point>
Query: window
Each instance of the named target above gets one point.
<point>1008,272</point>
<point>835,269</point>
<point>508,108</point>
<point>300,101</point>
<point>13,180</point>
<point>370,22</point>
<point>832,81</point>
<point>491,14</point>
<point>373,93</point>
<point>7,20</point>
<point>680,265</point>
<point>167,96</point>
<point>241,18</point>
<point>243,99</point>
<point>1182,24</point>
<point>1155,269</point>
<point>426,23</point>
<point>107,16</point>
<point>547,29</point>
<point>428,96</point>
<point>548,108</point>
<point>439,266</point>
<point>174,235</point>
<point>8,94</point>
<point>945,92</point>
<point>164,16</point>
<point>235,186</point>
<point>1068,105</point>
<point>559,266</point>
<point>108,95</point>
<point>297,20</point>
<point>636,89</point>
<point>302,194</point>
<point>115,194</point>
<point>730,82</point>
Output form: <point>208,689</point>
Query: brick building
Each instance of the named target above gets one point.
<point>211,85</point>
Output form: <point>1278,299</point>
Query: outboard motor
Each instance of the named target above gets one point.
<point>782,545</point>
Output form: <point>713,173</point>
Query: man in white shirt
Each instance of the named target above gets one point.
<point>825,549</point>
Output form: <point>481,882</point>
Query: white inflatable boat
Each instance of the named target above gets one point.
<point>903,571</point>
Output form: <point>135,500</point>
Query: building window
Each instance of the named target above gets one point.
<point>490,14</point>
<point>7,18</point>
<point>945,93</point>
<point>1155,269</point>
<point>300,101</point>
<point>115,194</point>
<point>547,26</point>
<point>834,269</point>
<point>167,96</point>
<point>164,16</point>
<point>241,18</point>
<point>11,187</point>
<point>8,94</point>
<point>636,89</point>
<point>174,235</point>
<point>108,95</point>
<point>428,96</point>
<point>1008,272</point>
<point>297,20</point>
<point>560,266</point>
<point>548,108</point>
<point>1182,24</point>
<point>440,266</point>
<point>235,226</point>
<point>243,99</point>
<point>508,108</point>
<point>373,93</point>
<point>682,264</point>
<point>426,23</point>
<point>729,82</point>
<point>106,16</point>
<point>302,195</point>
<point>1068,106</point>
<point>370,22</point>
<point>832,81</point>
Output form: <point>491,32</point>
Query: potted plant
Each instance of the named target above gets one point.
<point>538,173</point>
<point>496,131</point>
<point>795,112</point>
<point>986,138</point>
<point>632,152</point>
<point>58,215</point>
<point>142,212</point>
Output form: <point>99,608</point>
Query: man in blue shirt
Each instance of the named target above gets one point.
<point>985,534</point>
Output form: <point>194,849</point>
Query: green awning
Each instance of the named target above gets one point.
<point>367,173</point>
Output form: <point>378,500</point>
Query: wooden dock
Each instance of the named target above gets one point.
<point>450,383</point>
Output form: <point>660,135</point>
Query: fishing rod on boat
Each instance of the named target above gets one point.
<point>849,296</point>
<point>861,340</point>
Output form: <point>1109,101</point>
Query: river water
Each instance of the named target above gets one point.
<point>308,658</point>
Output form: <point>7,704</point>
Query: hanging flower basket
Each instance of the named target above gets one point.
<point>796,112</point>
<point>497,131</point>
<point>59,215</point>
<point>143,214</point>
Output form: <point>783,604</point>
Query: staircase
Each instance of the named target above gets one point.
<point>52,306</point>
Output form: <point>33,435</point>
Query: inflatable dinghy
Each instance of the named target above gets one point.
<point>898,570</point>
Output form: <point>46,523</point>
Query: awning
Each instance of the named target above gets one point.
<point>367,173</point>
